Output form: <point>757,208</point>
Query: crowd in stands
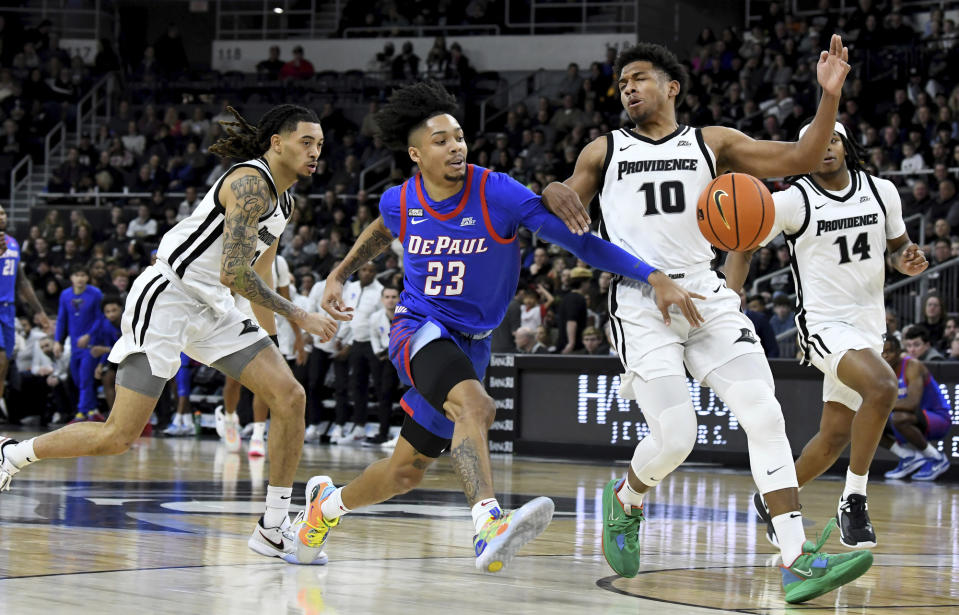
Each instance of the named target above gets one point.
<point>901,104</point>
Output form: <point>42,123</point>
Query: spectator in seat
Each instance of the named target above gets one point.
<point>298,68</point>
<point>188,204</point>
<point>386,382</point>
<point>756,312</point>
<point>270,68</point>
<point>918,344</point>
<point>143,226</point>
<point>526,342</point>
<point>46,380</point>
<point>933,317</point>
<point>593,343</point>
<point>406,66</point>
<point>941,252</point>
<point>100,342</point>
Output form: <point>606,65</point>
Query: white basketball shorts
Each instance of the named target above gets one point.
<point>162,320</point>
<point>649,349</point>
<point>828,343</point>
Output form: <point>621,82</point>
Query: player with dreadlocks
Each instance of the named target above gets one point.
<point>183,303</point>
<point>457,223</point>
<point>838,221</point>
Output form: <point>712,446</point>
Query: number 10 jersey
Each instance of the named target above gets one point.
<point>649,193</point>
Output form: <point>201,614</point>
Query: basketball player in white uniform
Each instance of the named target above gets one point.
<point>648,179</point>
<point>183,303</point>
<point>838,222</point>
<point>227,421</point>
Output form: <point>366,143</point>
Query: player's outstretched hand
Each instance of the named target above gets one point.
<point>670,293</point>
<point>564,203</point>
<point>913,261</point>
<point>332,300</point>
<point>319,325</point>
<point>833,66</point>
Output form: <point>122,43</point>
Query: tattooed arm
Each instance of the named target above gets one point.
<point>247,198</point>
<point>373,240</point>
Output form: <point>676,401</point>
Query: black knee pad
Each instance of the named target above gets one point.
<point>439,367</point>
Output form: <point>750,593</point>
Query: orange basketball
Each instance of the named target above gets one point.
<point>735,212</point>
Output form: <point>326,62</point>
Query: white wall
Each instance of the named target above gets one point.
<point>484,52</point>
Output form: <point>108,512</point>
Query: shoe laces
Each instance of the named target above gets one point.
<point>628,526</point>
<point>821,541</point>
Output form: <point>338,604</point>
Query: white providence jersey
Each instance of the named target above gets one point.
<point>192,249</point>
<point>837,243</point>
<point>649,193</point>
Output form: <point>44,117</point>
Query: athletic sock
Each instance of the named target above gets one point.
<point>790,534</point>
<point>629,496</point>
<point>483,511</point>
<point>332,507</point>
<point>259,430</point>
<point>855,483</point>
<point>277,505</point>
<point>902,451</point>
<point>931,451</point>
<point>21,454</point>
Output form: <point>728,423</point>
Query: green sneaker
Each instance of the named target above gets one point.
<point>620,533</point>
<point>814,573</point>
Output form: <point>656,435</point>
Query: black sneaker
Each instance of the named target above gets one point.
<point>855,528</point>
<point>376,440</point>
<point>763,514</point>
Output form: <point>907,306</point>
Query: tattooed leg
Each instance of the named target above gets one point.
<point>472,412</point>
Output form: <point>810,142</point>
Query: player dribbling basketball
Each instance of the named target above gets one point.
<point>648,179</point>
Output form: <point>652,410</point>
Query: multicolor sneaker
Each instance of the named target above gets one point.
<point>815,573</point>
<point>932,468</point>
<point>620,532</point>
<point>311,528</point>
<point>503,536</point>
<point>906,467</point>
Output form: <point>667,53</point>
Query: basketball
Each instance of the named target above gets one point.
<point>735,212</point>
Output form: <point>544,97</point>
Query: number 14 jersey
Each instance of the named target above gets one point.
<point>837,242</point>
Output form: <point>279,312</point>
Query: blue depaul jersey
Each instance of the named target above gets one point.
<point>461,256</point>
<point>932,399</point>
<point>9,267</point>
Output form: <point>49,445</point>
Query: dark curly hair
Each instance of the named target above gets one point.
<point>245,141</point>
<point>661,58</point>
<point>409,107</point>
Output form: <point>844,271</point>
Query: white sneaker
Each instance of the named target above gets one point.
<point>186,430</point>
<point>173,429</point>
<point>336,434</point>
<point>56,419</point>
<point>219,420</point>
<point>257,448</point>
<point>273,541</point>
<point>353,436</point>
<point>311,434</point>
<point>391,444</point>
<point>231,432</point>
<point>7,467</point>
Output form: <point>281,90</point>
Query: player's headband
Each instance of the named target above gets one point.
<point>839,128</point>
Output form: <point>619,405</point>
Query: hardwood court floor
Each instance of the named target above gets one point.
<point>163,529</point>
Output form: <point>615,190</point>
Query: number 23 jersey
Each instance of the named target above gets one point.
<point>837,242</point>
<point>461,257</point>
